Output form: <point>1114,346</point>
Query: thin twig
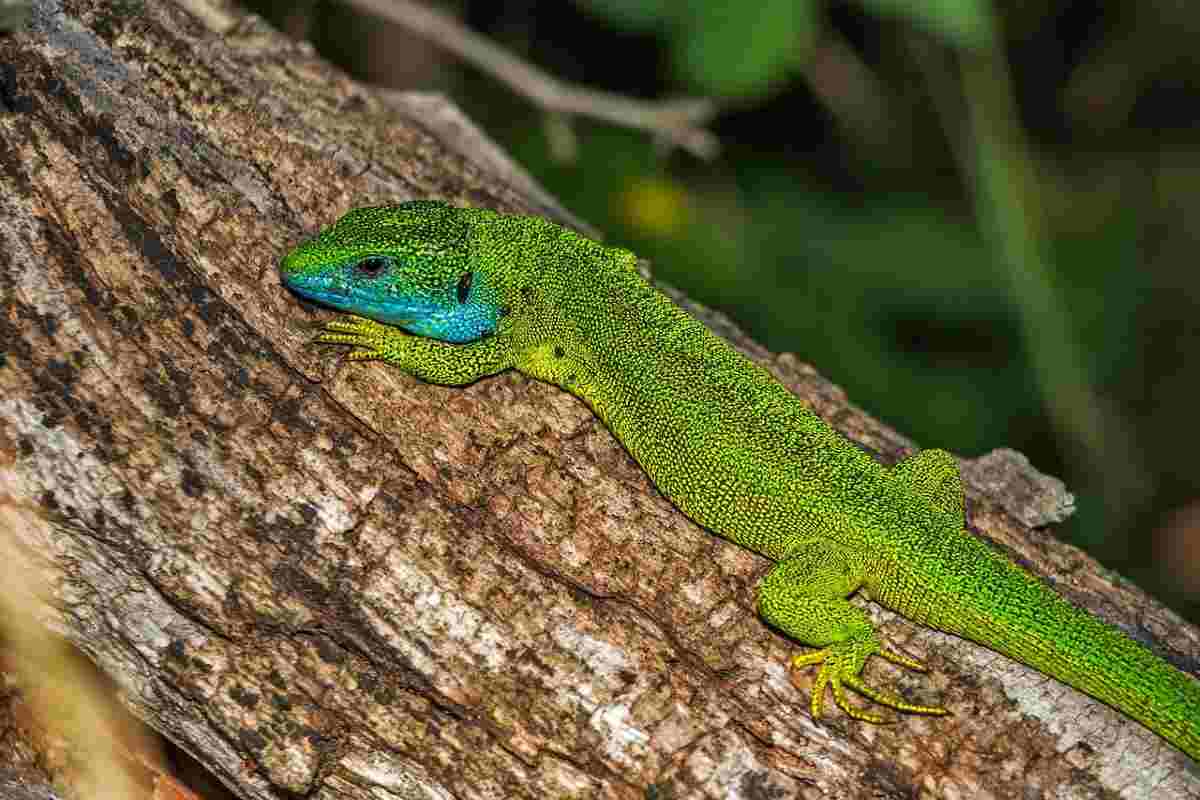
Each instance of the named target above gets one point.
<point>679,122</point>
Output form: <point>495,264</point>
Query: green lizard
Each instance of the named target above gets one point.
<point>728,444</point>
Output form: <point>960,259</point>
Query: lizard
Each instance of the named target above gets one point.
<point>451,295</point>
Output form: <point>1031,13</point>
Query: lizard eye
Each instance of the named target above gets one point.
<point>464,286</point>
<point>371,267</point>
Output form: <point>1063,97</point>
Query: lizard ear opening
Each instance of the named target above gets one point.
<point>464,286</point>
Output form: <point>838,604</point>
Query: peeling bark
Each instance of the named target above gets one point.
<point>330,579</point>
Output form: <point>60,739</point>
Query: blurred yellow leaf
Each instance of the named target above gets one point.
<point>654,206</point>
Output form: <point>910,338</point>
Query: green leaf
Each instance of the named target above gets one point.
<point>639,15</point>
<point>966,23</point>
<point>13,15</point>
<point>733,49</point>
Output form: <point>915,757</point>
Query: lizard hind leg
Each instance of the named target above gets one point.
<point>805,597</point>
<point>934,475</point>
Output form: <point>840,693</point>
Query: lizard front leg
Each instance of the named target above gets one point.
<point>428,359</point>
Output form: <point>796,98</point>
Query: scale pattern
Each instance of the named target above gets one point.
<point>722,439</point>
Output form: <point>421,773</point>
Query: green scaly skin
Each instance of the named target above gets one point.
<point>729,445</point>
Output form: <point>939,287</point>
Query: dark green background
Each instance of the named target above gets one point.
<point>838,222</point>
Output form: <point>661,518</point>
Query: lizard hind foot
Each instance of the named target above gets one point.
<point>840,665</point>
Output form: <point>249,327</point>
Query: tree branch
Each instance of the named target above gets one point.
<point>679,122</point>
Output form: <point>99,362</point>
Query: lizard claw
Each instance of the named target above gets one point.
<point>839,669</point>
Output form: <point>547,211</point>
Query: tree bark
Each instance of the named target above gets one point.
<point>329,579</point>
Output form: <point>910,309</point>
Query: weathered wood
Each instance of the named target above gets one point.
<point>329,579</point>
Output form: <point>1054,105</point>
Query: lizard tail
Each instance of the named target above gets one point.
<point>1026,620</point>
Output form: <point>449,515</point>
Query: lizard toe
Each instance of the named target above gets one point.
<point>840,666</point>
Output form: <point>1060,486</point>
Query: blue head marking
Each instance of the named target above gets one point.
<point>406,266</point>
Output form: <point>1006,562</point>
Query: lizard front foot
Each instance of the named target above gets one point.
<point>840,667</point>
<point>431,360</point>
<point>369,339</point>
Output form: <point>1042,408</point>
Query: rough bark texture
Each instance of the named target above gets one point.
<point>331,580</point>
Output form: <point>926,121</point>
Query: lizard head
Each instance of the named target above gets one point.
<point>406,265</point>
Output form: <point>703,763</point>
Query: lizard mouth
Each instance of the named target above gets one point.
<point>318,287</point>
<point>329,291</point>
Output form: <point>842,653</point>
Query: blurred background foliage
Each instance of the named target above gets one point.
<point>979,261</point>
